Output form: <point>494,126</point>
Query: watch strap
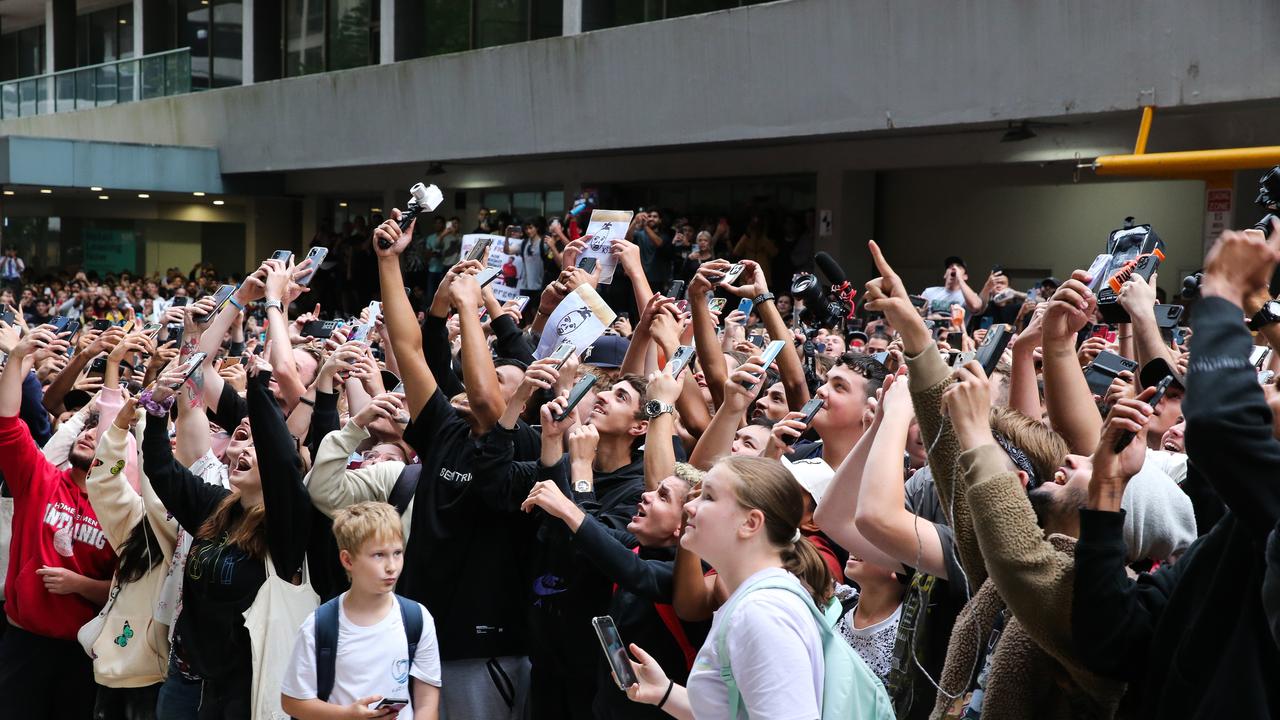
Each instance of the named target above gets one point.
<point>762,298</point>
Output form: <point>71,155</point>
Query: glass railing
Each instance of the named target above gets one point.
<point>119,81</point>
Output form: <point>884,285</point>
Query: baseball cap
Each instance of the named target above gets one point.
<point>606,352</point>
<point>1156,370</point>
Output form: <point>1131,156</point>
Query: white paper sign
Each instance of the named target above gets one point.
<point>605,227</point>
<point>499,259</point>
<point>581,317</point>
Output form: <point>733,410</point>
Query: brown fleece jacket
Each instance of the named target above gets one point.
<point>1034,669</point>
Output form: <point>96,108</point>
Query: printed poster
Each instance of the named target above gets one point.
<point>605,227</point>
<point>581,317</point>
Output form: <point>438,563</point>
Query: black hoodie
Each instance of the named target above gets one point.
<point>1192,638</point>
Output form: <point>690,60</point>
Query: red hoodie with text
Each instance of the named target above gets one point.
<point>53,525</point>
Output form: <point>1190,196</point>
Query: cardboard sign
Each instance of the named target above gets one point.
<point>605,227</point>
<point>580,318</point>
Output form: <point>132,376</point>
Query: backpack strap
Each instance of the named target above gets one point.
<point>326,647</point>
<point>406,485</point>
<point>722,635</point>
<point>411,616</point>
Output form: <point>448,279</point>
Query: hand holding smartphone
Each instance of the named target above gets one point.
<point>576,395</point>
<point>615,652</point>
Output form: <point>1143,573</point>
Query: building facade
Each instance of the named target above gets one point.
<point>929,126</point>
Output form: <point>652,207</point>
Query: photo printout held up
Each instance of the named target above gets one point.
<point>580,318</point>
<point>503,252</point>
<point>605,227</point>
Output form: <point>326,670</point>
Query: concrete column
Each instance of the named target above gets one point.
<point>60,34</point>
<point>387,32</point>
<point>139,19</point>
<point>572,18</point>
<point>248,51</point>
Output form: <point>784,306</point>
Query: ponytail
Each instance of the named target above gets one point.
<point>766,485</point>
<point>801,559</point>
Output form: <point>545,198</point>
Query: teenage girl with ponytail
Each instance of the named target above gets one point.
<point>746,524</point>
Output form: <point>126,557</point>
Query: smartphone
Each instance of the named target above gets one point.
<point>1105,368</point>
<point>919,301</point>
<point>730,277</point>
<point>479,251</point>
<point>1259,356</point>
<point>716,304</point>
<point>587,264</point>
<point>955,339</point>
<point>1127,437</point>
<point>810,410</point>
<point>881,357</point>
<point>992,348</point>
<point>360,333</point>
<point>7,316</point>
<point>1101,330</point>
<point>488,275</point>
<point>767,357</point>
<point>396,704</point>
<point>320,329</point>
<point>1178,335</point>
<point>101,325</point>
<point>562,352</point>
<point>1097,271</point>
<point>578,392</point>
<point>614,651</point>
<point>151,330</point>
<point>180,301</point>
<point>522,302</point>
<point>282,255</point>
<point>316,256</point>
<point>744,307</point>
<point>676,291</point>
<point>60,324</point>
<point>190,366</point>
<point>1168,315</point>
<point>683,356</point>
<point>220,298</point>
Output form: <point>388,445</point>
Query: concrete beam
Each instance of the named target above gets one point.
<point>852,66</point>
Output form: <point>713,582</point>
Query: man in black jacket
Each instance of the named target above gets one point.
<point>603,473</point>
<point>1192,638</point>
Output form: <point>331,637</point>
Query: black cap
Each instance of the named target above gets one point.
<point>954,260</point>
<point>1156,370</point>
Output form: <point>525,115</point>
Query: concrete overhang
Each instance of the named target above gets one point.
<point>55,162</point>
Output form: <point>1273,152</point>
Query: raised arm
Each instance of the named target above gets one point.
<point>1230,433</point>
<point>280,286</point>
<point>188,497</point>
<point>483,392</point>
<point>332,486</point>
<point>705,341</point>
<point>397,312</point>
<point>1072,412</point>
<point>1138,297</point>
<point>790,368</point>
<point>882,516</point>
<point>1024,389</point>
<point>284,498</point>
<point>659,451</point>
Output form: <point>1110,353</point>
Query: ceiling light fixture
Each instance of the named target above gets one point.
<point>143,196</point>
<point>198,193</point>
<point>46,191</point>
<point>104,197</point>
<point>219,202</point>
<point>95,188</point>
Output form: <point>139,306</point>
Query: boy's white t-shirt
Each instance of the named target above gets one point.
<point>371,660</point>
<point>775,648</point>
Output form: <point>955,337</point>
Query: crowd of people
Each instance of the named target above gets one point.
<point>359,490</point>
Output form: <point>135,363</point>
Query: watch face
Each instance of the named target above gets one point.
<point>1272,309</point>
<point>652,408</point>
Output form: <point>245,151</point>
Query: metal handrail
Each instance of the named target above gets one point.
<point>140,78</point>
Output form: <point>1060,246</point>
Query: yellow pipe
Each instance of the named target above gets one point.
<point>1190,163</point>
<point>1144,130</point>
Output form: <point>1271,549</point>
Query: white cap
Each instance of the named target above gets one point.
<point>813,474</point>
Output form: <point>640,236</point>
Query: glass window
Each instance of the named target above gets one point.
<point>501,22</point>
<point>228,39</point>
<point>448,26</point>
<point>349,36</point>
<point>599,14</point>
<point>304,37</point>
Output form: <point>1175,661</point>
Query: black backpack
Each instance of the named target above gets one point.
<point>327,614</point>
<point>327,640</point>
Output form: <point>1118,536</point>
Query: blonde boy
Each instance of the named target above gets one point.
<point>358,655</point>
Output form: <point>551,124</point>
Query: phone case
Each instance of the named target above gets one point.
<point>616,655</point>
<point>578,392</point>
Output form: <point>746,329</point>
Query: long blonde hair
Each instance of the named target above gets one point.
<point>765,485</point>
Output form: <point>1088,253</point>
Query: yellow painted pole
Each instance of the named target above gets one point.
<point>1144,130</point>
<point>1190,163</point>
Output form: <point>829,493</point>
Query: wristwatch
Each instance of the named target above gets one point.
<point>654,408</point>
<point>273,304</point>
<point>1268,315</point>
<point>763,298</point>
<point>582,486</point>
